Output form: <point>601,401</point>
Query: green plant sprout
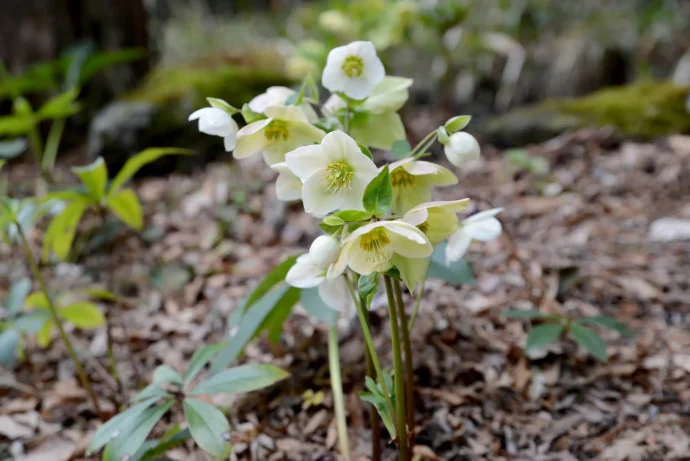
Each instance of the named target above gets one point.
<point>554,327</point>
<point>123,437</point>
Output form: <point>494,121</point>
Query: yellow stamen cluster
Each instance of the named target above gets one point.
<point>401,178</point>
<point>277,131</point>
<point>339,177</point>
<point>374,241</point>
<point>353,66</point>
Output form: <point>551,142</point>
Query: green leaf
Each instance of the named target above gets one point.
<point>543,334</point>
<point>378,130</point>
<point>143,158</point>
<point>152,390</point>
<point>368,286</point>
<point>125,205</point>
<point>208,426</point>
<point>249,115</point>
<point>11,149</point>
<point>401,149</point>
<point>273,323</point>
<point>116,425</point>
<point>365,150</point>
<point>166,374</point>
<point>129,440</point>
<point>83,314</point>
<point>222,105</point>
<point>590,340</point>
<point>166,443</point>
<point>378,195</point>
<point>16,125</point>
<point>296,99</point>
<point>94,177</point>
<point>62,105</point>
<point>333,221</point>
<point>353,215</point>
<point>200,358</point>
<point>254,321</point>
<point>9,341</point>
<point>244,378</point>
<point>458,272</point>
<point>37,300</point>
<point>311,301</point>
<point>45,334</point>
<point>457,123</point>
<point>60,233</point>
<point>523,314</point>
<point>276,276</point>
<point>17,295</point>
<point>608,322</point>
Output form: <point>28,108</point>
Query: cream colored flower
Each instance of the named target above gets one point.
<point>353,69</point>
<point>335,174</point>
<point>462,148</point>
<point>482,226</point>
<point>374,247</point>
<point>217,122</point>
<point>412,181</point>
<point>438,220</point>
<point>278,96</point>
<point>285,129</point>
<point>288,186</point>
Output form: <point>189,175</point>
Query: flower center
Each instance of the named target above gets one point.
<point>339,177</point>
<point>401,178</point>
<point>353,66</point>
<point>374,241</point>
<point>277,131</point>
<point>424,227</point>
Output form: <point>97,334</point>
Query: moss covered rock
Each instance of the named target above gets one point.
<point>642,110</point>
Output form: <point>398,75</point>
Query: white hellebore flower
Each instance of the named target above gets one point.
<point>285,129</point>
<point>311,268</point>
<point>353,69</point>
<point>461,149</point>
<point>278,96</point>
<point>438,220</point>
<point>288,186</point>
<point>482,226</point>
<point>217,122</point>
<point>378,246</point>
<point>335,174</point>
<point>412,181</point>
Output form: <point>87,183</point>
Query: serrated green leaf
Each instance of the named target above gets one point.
<point>401,149</point>
<point>457,123</point>
<point>117,425</point>
<point>61,230</point>
<point>543,334</point>
<point>368,286</point>
<point>128,442</point>
<point>589,340</point>
<point>607,322</point>
<point>125,205</point>
<point>208,426</point>
<point>458,272</point>
<point>17,295</point>
<point>200,358</point>
<point>166,374</point>
<point>378,195</point>
<point>83,314</point>
<point>311,301</point>
<point>94,177</point>
<point>134,164</point>
<point>244,378</point>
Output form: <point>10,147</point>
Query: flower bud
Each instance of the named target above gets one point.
<point>461,149</point>
<point>324,250</point>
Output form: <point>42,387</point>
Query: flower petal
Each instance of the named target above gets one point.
<point>305,274</point>
<point>288,186</point>
<point>274,96</point>
<point>317,201</point>
<point>229,142</point>
<point>412,271</point>
<point>484,230</point>
<point>408,241</point>
<point>335,293</point>
<point>458,245</point>
<point>305,161</point>
<point>287,113</point>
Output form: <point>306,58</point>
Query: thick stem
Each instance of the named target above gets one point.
<point>373,416</point>
<point>417,304</point>
<point>362,314</point>
<point>409,365</point>
<point>338,398</point>
<point>400,413</point>
<point>58,321</point>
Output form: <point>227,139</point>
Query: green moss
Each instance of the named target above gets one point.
<point>642,110</point>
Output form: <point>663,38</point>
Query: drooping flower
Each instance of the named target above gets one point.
<point>412,181</point>
<point>311,268</point>
<point>285,129</point>
<point>461,149</point>
<point>288,186</point>
<point>335,174</point>
<point>278,96</point>
<point>388,96</point>
<point>438,220</point>
<point>353,69</point>
<point>482,226</point>
<point>376,246</point>
<point>217,122</point>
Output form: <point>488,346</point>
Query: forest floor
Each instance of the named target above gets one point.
<point>580,240</point>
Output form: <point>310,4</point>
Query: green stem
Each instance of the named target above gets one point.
<point>417,304</point>
<point>58,321</point>
<point>338,398</point>
<point>424,144</point>
<point>373,416</point>
<point>52,145</point>
<point>348,113</point>
<point>409,365</point>
<point>400,413</point>
<point>362,314</point>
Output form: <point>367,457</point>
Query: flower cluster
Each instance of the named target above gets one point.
<point>377,219</point>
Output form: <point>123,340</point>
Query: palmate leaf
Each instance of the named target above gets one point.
<point>208,426</point>
<point>244,378</point>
